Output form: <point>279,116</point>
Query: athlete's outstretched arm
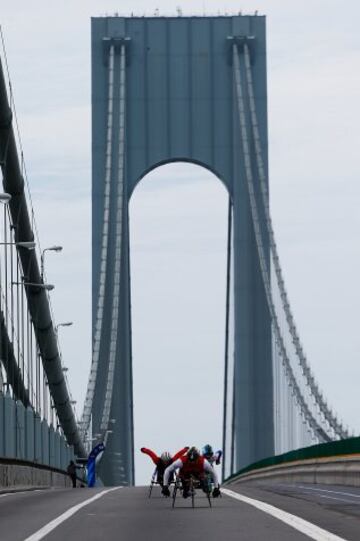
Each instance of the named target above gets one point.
<point>170,469</point>
<point>180,453</point>
<point>209,469</point>
<point>151,454</point>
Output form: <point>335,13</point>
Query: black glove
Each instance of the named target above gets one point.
<point>165,491</point>
<point>216,492</point>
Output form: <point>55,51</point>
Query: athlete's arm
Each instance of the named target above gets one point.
<point>180,453</point>
<point>218,456</point>
<point>151,454</point>
<point>209,469</point>
<point>170,469</point>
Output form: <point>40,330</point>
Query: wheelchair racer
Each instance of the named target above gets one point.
<point>163,461</point>
<point>208,453</point>
<point>191,464</point>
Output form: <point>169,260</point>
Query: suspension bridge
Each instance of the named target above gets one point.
<point>165,89</point>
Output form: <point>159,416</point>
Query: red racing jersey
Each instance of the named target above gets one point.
<point>195,467</point>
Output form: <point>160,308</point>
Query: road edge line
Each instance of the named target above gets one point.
<point>303,526</point>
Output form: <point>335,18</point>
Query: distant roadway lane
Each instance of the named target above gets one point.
<point>122,514</point>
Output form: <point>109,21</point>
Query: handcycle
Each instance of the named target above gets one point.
<point>154,481</point>
<point>209,483</point>
<point>194,484</point>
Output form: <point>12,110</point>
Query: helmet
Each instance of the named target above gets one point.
<point>165,457</point>
<point>193,454</point>
<point>207,450</point>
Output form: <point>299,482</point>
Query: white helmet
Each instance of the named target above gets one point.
<point>165,457</point>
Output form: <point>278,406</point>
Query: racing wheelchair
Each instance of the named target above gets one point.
<point>154,481</point>
<point>194,485</point>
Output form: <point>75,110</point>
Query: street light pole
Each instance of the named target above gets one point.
<point>29,244</point>
<point>42,258</point>
<point>5,198</point>
<point>65,324</point>
<point>47,287</point>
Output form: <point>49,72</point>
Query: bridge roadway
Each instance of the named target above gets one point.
<point>126,514</point>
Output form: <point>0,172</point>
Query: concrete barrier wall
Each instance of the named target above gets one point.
<point>327,471</point>
<point>18,475</point>
<point>24,436</point>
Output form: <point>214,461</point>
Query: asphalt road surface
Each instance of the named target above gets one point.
<point>324,513</point>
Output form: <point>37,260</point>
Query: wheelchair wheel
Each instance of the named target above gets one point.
<point>192,492</point>
<point>208,488</point>
<point>150,488</point>
<point>176,487</point>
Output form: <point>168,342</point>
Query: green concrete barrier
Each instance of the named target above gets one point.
<point>339,448</point>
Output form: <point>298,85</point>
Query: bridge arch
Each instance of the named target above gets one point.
<point>178,283</point>
<point>179,160</point>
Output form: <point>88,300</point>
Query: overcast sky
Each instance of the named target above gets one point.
<point>178,216</point>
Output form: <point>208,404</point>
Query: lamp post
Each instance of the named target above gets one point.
<point>47,287</point>
<point>29,244</point>
<point>42,259</point>
<point>65,324</point>
<point>5,198</point>
<point>107,432</point>
<point>56,328</point>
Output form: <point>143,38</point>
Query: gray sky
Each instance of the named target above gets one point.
<point>178,227</point>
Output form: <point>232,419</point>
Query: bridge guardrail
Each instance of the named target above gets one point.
<point>344,471</point>
<point>336,462</point>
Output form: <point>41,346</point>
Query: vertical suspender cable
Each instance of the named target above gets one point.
<point>6,296</point>
<point>232,445</point>
<point>227,319</point>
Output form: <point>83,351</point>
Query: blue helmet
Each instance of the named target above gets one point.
<point>207,450</point>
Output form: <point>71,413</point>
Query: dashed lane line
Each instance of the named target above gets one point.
<point>45,530</point>
<point>299,524</point>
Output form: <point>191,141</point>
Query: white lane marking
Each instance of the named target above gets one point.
<point>15,493</point>
<point>303,526</point>
<point>330,491</point>
<point>45,530</point>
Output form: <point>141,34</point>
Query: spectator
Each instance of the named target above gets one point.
<point>71,470</point>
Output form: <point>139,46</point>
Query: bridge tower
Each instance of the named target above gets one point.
<point>164,90</point>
